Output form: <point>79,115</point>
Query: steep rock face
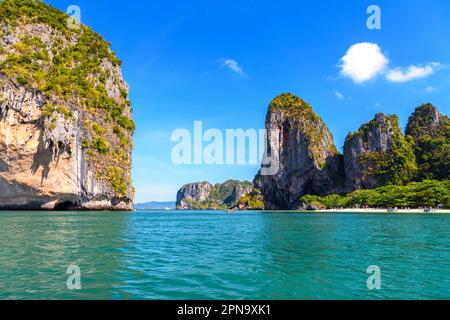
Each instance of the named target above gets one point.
<point>193,193</point>
<point>203,195</point>
<point>65,120</point>
<point>239,191</point>
<point>431,133</point>
<point>377,154</point>
<point>301,147</point>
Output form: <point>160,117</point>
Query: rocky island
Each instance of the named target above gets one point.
<point>380,167</point>
<point>205,196</point>
<point>66,129</point>
<point>309,162</point>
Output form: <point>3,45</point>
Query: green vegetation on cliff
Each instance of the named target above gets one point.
<point>252,201</point>
<point>223,192</point>
<point>294,106</point>
<point>76,71</point>
<point>221,196</point>
<point>428,193</point>
<point>206,205</point>
<point>431,133</point>
<point>397,164</point>
<point>308,122</point>
<point>379,159</point>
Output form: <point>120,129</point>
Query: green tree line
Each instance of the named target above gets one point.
<point>428,193</point>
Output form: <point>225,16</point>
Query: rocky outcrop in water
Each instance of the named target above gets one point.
<point>205,196</point>
<point>193,193</point>
<point>65,119</point>
<point>300,145</point>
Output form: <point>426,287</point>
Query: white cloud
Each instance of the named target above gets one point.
<point>234,66</point>
<point>411,73</point>
<point>363,62</point>
<point>340,95</point>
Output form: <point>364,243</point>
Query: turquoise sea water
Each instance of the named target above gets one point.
<point>207,255</point>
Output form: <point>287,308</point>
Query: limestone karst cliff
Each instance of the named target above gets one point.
<point>308,161</point>
<point>378,154</point>
<point>431,132</point>
<point>65,119</point>
<point>203,195</point>
<point>193,193</point>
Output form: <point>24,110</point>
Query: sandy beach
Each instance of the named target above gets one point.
<point>438,211</point>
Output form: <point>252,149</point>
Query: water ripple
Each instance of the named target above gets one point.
<point>207,255</point>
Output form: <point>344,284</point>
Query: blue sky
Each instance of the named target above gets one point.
<point>173,56</point>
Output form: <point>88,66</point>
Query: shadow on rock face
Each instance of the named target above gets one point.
<point>15,195</point>
<point>43,158</point>
<point>4,167</point>
<point>19,196</point>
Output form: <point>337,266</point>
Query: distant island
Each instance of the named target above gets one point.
<point>381,167</point>
<point>205,196</point>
